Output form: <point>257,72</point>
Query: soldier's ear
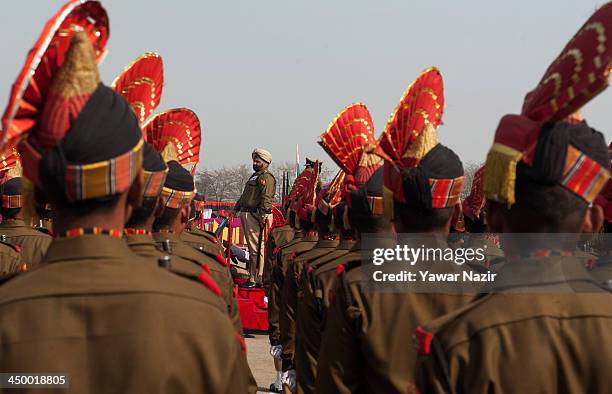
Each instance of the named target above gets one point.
<point>185,211</point>
<point>593,219</point>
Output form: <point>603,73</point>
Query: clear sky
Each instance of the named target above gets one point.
<point>274,73</point>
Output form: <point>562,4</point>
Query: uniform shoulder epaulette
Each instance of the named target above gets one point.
<point>203,278</point>
<point>14,247</point>
<point>217,257</point>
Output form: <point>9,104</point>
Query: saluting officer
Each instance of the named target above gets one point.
<point>254,207</point>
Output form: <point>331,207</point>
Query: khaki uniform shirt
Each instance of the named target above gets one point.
<point>292,296</point>
<point>33,243</point>
<point>10,259</point>
<point>279,237</point>
<point>93,311</point>
<point>202,240</point>
<point>368,334</point>
<point>218,270</point>
<point>299,244</point>
<point>258,194</point>
<point>309,325</point>
<point>549,334</point>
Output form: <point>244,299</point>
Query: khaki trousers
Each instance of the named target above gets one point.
<point>250,229</point>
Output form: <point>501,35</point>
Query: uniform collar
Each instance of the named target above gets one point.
<point>86,247</point>
<point>172,237</point>
<point>139,239</point>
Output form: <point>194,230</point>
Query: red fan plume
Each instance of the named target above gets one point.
<point>347,136</point>
<point>421,104</point>
<point>580,73</point>
<point>278,219</point>
<point>141,84</point>
<point>331,194</point>
<point>32,84</point>
<point>475,201</point>
<point>176,134</point>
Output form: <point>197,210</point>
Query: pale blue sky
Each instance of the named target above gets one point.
<point>273,73</point>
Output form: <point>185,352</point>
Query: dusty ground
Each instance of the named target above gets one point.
<point>260,361</point>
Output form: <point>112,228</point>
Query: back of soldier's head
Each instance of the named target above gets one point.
<point>549,195</point>
<point>12,199</point>
<point>365,211</point>
<point>176,195</point>
<point>154,173</point>
<point>430,192</point>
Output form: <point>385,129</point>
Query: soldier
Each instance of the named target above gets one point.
<point>316,286</point>
<point>254,208</point>
<point>176,197</point>
<point>10,260</point>
<point>197,238</point>
<point>280,235</point>
<point>292,295</point>
<point>478,234</point>
<point>545,325</point>
<point>93,310</point>
<point>33,244</point>
<point>366,348</point>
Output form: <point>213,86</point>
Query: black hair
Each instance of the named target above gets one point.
<point>422,220</point>
<point>141,215</point>
<point>166,220</point>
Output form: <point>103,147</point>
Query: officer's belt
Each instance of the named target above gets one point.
<point>250,210</point>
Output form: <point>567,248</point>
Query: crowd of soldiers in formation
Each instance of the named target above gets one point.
<point>127,296</point>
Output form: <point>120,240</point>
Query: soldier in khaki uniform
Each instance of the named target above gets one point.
<point>200,239</point>
<point>14,230</point>
<point>292,295</point>
<point>93,309</point>
<point>318,280</point>
<point>254,208</point>
<point>367,348</point>
<point>10,259</point>
<point>545,326</point>
<point>280,235</point>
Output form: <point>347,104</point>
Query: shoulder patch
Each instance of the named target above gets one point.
<point>339,269</point>
<point>422,341</point>
<point>210,283</point>
<point>221,260</point>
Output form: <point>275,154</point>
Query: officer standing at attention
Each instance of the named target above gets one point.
<point>254,207</point>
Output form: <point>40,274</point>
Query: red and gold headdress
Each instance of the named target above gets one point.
<point>410,134</point>
<point>475,201</point>
<point>56,84</point>
<point>30,90</point>
<point>278,219</point>
<point>330,195</point>
<point>349,140</point>
<point>580,73</point>
<point>303,192</point>
<point>141,84</point>
<point>176,135</point>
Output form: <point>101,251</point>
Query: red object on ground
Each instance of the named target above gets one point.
<point>253,310</point>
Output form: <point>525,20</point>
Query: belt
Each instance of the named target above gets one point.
<point>250,210</point>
